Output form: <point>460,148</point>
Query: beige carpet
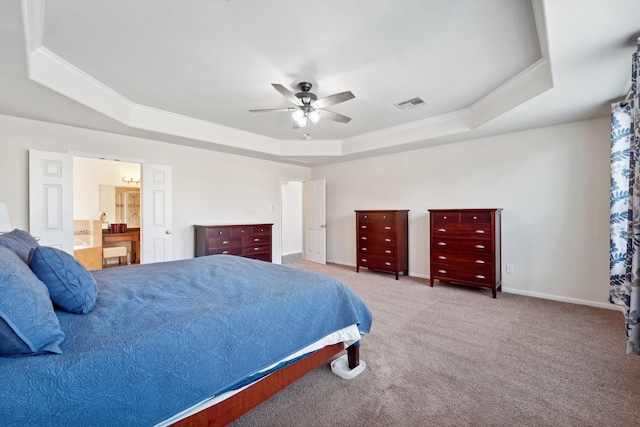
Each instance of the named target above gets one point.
<point>453,356</point>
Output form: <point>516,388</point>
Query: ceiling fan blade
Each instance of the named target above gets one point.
<point>287,94</point>
<point>334,116</point>
<point>266,110</point>
<point>333,99</point>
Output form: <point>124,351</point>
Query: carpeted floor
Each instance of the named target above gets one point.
<point>453,356</point>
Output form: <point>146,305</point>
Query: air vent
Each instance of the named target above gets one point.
<point>411,104</point>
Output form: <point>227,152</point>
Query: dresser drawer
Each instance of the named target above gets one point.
<point>221,242</point>
<point>376,248</point>
<point>255,249</point>
<point>256,239</point>
<point>233,250</point>
<point>452,273</point>
<point>218,231</point>
<point>377,262</point>
<point>461,245</point>
<point>376,216</point>
<point>241,230</point>
<point>261,229</point>
<point>383,239</point>
<point>478,231</point>
<point>468,260</point>
<point>263,256</point>
<point>387,227</point>
<point>445,217</point>
<point>475,217</point>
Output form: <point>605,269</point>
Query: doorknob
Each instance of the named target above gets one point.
<point>168,232</point>
<point>323,226</point>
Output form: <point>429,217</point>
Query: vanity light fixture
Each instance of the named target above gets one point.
<point>130,180</point>
<point>5,224</point>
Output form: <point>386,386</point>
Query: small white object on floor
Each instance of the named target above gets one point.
<point>340,367</point>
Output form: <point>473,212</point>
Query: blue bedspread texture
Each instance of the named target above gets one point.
<point>165,336</point>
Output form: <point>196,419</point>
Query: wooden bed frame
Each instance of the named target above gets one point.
<point>242,402</point>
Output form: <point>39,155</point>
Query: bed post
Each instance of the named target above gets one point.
<point>353,354</point>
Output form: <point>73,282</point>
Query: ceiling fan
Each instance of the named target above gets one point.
<point>308,108</point>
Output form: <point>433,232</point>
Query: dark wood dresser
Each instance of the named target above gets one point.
<point>246,240</point>
<point>383,240</point>
<point>465,247</point>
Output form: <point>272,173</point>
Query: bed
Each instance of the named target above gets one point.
<point>191,342</point>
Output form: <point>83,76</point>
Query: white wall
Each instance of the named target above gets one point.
<point>208,187</point>
<point>553,184</point>
<point>291,217</point>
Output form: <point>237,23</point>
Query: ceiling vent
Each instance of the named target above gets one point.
<point>411,104</point>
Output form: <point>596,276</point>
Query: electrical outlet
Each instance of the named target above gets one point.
<point>510,269</point>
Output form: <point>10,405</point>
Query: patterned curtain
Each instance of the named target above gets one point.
<point>625,208</point>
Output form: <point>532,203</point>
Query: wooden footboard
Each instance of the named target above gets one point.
<point>235,406</point>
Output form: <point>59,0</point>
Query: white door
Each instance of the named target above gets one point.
<point>51,199</point>
<point>157,242</point>
<point>314,217</point>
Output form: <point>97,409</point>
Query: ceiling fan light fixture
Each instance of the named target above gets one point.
<point>314,116</point>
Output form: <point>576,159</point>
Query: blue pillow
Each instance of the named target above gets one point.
<point>28,324</point>
<point>70,284</point>
<point>20,242</point>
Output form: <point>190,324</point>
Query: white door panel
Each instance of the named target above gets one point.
<point>156,224</point>
<point>314,214</point>
<point>51,199</point>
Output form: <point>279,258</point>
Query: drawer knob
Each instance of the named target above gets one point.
<point>479,261</point>
<point>442,271</point>
<point>387,263</point>
<point>387,240</point>
<point>384,217</point>
<point>364,249</point>
<point>256,249</point>
<point>220,232</point>
<point>226,242</point>
<point>479,246</point>
<point>480,276</point>
<point>442,230</point>
<point>475,217</point>
<point>387,228</point>
<point>387,251</point>
<point>363,238</point>
<point>442,244</point>
<point>479,231</point>
<point>363,226</point>
<point>444,217</point>
<point>256,239</point>
<point>442,257</point>
<point>363,260</point>
<point>225,252</point>
<point>366,216</point>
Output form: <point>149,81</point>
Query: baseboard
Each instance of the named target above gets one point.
<point>604,305</point>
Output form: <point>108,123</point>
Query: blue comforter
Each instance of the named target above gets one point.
<point>165,336</point>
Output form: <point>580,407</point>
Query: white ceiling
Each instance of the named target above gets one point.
<point>189,72</point>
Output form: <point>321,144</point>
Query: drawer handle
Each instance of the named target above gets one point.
<point>363,238</point>
<point>363,260</point>
<point>479,246</point>
<point>387,263</point>
<point>387,228</point>
<point>226,242</point>
<point>363,226</point>
<point>444,217</point>
<point>475,217</point>
<point>442,244</point>
<point>387,240</point>
<point>256,239</point>
<point>479,231</point>
<point>256,249</point>
<point>364,249</point>
<point>442,271</point>
<point>442,257</point>
<point>387,251</point>
<point>480,276</point>
<point>442,230</point>
<point>479,261</point>
<point>225,252</point>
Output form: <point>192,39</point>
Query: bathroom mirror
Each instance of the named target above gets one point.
<point>120,205</point>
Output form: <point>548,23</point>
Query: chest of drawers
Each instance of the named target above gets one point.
<point>465,247</point>
<point>383,240</point>
<point>246,240</point>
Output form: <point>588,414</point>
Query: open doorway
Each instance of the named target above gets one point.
<point>107,212</point>
<point>292,227</point>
